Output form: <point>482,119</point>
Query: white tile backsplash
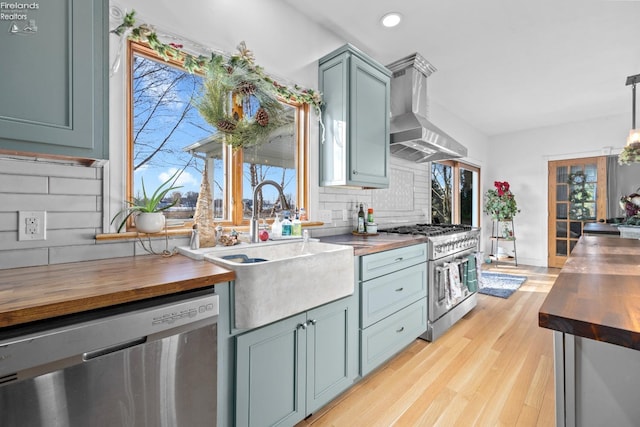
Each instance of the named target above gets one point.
<point>72,197</point>
<point>405,201</point>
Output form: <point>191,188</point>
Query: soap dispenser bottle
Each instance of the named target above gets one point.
<point>286,225</point>
<point>296,226</point>
<point>276,227</point>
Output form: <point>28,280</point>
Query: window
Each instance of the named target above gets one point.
<point>167,134</point>
<point>455,193</point>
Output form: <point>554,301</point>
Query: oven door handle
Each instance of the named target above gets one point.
<point>464,272</point>
<point>442,280</point>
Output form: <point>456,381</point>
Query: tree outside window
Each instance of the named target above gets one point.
<point>167,133</point>
<point>455,193</point>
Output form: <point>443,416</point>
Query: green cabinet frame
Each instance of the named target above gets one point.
<point>393,303</point>
<point>290,368</point>
<point>54,82</point>
<point>354,146</point>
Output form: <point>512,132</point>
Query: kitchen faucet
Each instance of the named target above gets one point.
<point>254,227</point>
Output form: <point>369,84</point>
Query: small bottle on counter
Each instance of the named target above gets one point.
<point>286,225</point>
<point>361,226</point>
<point>370,215</point>
<point>303,214</point>
<point>296,226</point>
<point>276,227</point>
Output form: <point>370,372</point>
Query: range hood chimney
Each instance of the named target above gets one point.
<point>413,137</point>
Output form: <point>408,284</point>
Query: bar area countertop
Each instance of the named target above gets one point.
<point>601,228</point>
<point>597,294</point>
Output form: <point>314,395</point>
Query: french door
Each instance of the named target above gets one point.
<point>577,196</point>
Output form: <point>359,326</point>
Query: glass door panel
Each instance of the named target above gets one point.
<point>574,189</point>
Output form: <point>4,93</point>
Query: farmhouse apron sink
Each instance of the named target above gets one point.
<point>289,279</point>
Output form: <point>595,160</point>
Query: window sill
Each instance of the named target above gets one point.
<point>134,234</point>
<point>178,232</point>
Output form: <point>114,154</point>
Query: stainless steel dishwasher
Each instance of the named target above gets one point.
<point>149,364</point>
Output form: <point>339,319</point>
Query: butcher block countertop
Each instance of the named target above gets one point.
<point>601,228</point>
<point>597,294</point>
<point>36,293</point>
<point>364,245</point>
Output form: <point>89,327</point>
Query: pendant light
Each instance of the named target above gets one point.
<point>631,151</point>
<point>634,134</point>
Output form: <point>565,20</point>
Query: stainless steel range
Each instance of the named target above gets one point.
<point>452,278</point>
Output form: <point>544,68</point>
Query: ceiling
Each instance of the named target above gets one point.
<point>504,65</point>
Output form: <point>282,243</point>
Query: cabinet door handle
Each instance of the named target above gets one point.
<point>302,325</point>
<point>312,321</point>
<point>400,330</point>
<point>399,289</point>
<point>399,259</point>
<point>355,172</point>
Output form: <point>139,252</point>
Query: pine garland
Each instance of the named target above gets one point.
<point>200,63</point>
<point>239,80</point>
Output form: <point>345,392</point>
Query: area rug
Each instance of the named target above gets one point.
<point>499,284</point>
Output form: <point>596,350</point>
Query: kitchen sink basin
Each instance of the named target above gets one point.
<point>289,278</point>
<point>242,259</point>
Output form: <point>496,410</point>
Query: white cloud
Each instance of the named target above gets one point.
<point>185,179</point>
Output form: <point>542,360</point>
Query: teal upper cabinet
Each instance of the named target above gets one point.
<point>54,79</point>
<point>354,141</point>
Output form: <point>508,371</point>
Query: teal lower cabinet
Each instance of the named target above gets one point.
<point>390,335</point>
<point>393,303</point>
<point>290,368</point>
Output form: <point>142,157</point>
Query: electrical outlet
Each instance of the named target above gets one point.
<point>345,215</point>
<point>32,225</point>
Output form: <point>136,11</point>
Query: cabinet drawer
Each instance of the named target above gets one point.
<point>387,294</point>
<point>382,340</point>
<point>386,262</point>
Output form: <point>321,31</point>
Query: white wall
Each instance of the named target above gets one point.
<point>522,158</point>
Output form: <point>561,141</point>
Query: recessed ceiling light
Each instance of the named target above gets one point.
<point>391,19</point>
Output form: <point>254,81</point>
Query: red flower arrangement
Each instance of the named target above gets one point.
<point>501,187</point>
<point>500,203</point>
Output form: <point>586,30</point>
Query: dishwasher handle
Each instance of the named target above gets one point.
<point>113,349</point>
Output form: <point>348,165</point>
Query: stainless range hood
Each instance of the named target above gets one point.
<point>413,136</point>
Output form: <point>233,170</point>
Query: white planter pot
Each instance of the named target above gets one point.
<point>152,222</point>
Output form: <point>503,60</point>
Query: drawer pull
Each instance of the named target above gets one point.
<point>399,289</point>
<point>399,259</point>
<point>313,321</point>
<point>400,330</point>
<point>302,325</point>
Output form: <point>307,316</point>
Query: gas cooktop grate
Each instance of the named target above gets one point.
<point>427,229</point>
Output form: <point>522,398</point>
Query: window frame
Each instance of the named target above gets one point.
<point>456,166</point>
<point>233,159</point>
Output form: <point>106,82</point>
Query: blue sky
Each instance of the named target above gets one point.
<point>153,84</point>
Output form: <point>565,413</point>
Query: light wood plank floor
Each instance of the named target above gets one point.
<point>493,368</point>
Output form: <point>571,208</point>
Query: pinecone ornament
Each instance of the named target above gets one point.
<point>262,117</point>
<point>246,88</point>
<point>226,126</point>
